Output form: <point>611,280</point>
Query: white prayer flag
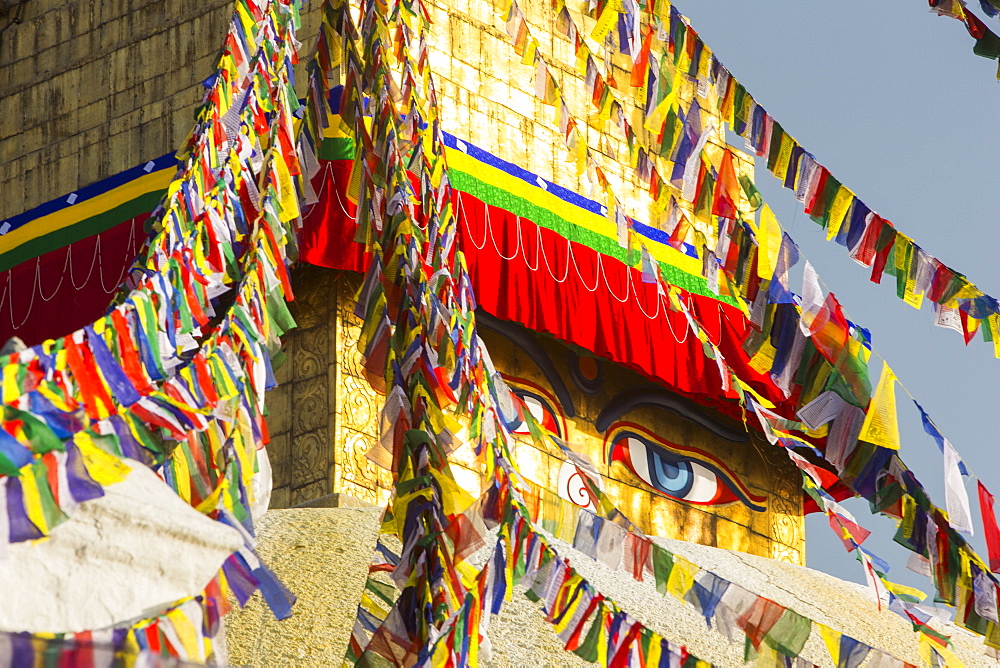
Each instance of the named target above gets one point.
<point>955,495</point>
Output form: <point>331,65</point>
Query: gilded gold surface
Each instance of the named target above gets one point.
<point>356,406</point>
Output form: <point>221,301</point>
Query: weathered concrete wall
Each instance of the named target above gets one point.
<point>322,556</point>
<point>89,88</point>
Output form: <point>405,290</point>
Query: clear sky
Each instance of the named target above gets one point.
<point>891,99</point>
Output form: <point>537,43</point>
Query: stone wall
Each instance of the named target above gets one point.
<point>90,88</point>
<point>323,412</point>
<point>488,98</point>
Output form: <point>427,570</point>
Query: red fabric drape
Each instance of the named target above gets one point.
<point>41,299</point>
<point>531,275</point>
<point>327,235</point>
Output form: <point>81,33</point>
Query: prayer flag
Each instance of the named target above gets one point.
<point>956,498</point>
<point>758,620</point>
<point>725,200</point>
<point>880,427</point>
<point>990,529</point>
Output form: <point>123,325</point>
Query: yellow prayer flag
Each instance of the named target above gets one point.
<point>441,656</point>
<point>898,589</point>
<point>838,210</point>
<point>581,154</point>
<point>182,473</point>
<point>606,21</point>
<point>769,240</point>
<point>602,636</point>
<point>582,58</point>
<point>11,389</point>
<point>994,322</point>
<point>759,398</point>
<point>832,640</point>
<point>32,499</point>
<point>104,468</point>
<point>763,360</point>
<point>880,426</point>
<point>767,656</point>
<point>185,631</point>
<point>910,295</point>
<point>681,577</point>
<point>655,652</point>
<point>288,199</point>
<point>211,502</point>
<point>530,52</point>
<point>784,157</point>
<point>454,499</point>
<point>354,184</point>
<point>927,647</point>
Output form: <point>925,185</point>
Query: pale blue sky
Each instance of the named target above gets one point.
<point>892,100</point>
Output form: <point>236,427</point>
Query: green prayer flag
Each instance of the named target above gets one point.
<point>39,434</point>
<point>988,46</point>
<point>53,514</point>
<point>789,633</point>
<point>663,563</point>
<point>588,648</point>
<point>753,195</point>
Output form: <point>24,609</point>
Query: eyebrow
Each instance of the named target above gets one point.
<point>660,398</point>
<point>523,339</point>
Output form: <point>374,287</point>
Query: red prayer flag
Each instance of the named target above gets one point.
<point>727,189</point>
<point>990,529</point>
<point>882,253</point>
<point>975,26</point>
<point>817,201</point>
<point>757,621</point>
<point>865,252</point>
<point>830,330</point>
<point>639,69</point>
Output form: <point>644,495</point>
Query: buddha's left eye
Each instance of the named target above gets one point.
<point>539,408</point>
<point>684,474</point>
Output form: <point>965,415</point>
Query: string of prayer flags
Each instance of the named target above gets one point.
<point>174,375</point>
<point>188,631</point>
<point>845,651</point>
<point>720,601</point>
<point>870,239</point>
<point>857,464</point>
<point>987,42</point>
<point>435,599</point>
<point>864,473</point>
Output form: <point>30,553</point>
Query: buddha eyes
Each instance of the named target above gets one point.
<point>678,472</point>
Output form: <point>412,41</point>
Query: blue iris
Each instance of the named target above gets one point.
<point>670,475</point>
